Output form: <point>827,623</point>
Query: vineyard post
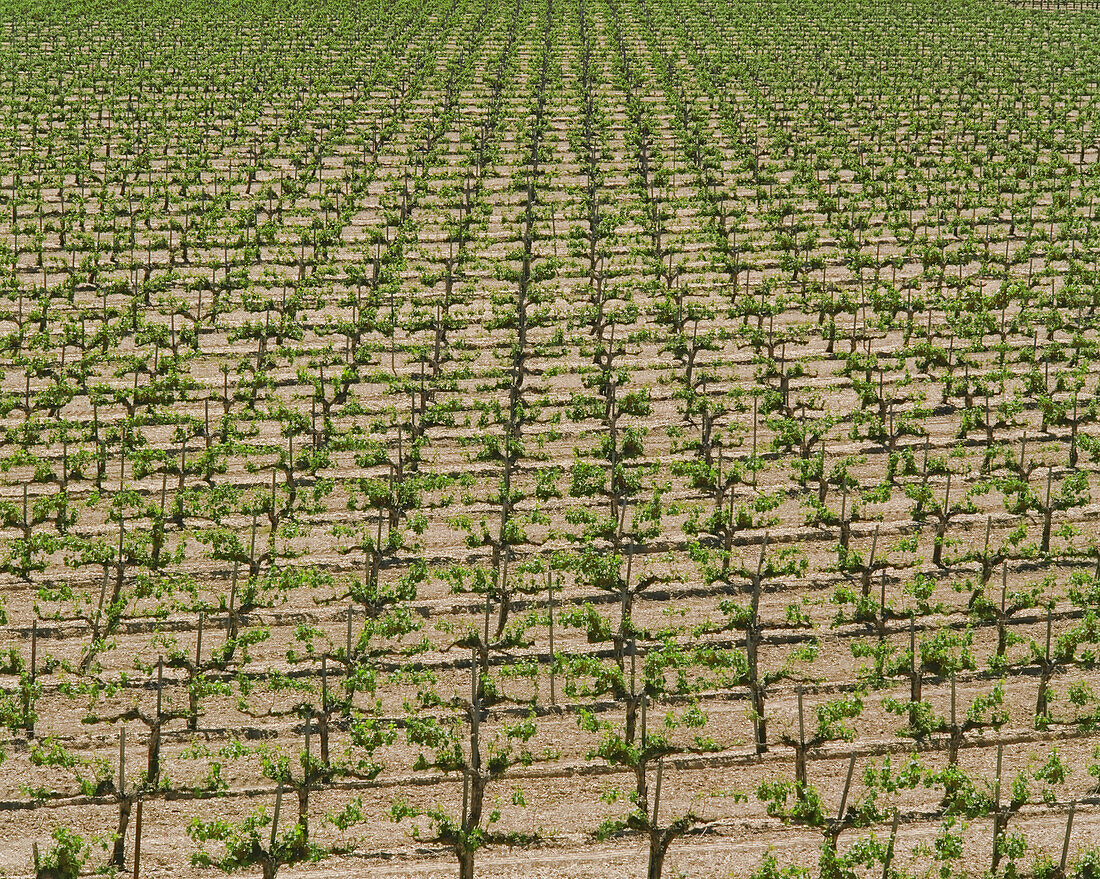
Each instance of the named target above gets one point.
<point>944,519</point>
<point>655,818</point>
<point>987,562</point>
<point>485,633</point>
<point>914,676</point>
<point>989,524</point>
<point>322,718</point>
<point>98,615</point>
<point>882,603</point>
<point>924,466</point>
<point>633,668</point>
<point>28,715</point>
<point>118,853</point>
<point>183,466</point>
<point>137,838</point>
<point>1048,515</point>
<point>198,641</point>
<point>847,787</point>
<point>953,745</point>
<point>1065,840</point>
<point>231,620</point>
<point>1046,671</point>
<point>305,774</point>
<point>800,751</point>
<point>550,594</point>
<point>997,812</point>
<point>153,772</point>
<point>836,826</point>
<point>1002,631</point>
<point>870,566</point>
<point>275,817</point>
<point>890,846</point>
<point>475,717</point>
<point>845,525</point>
<point>752,645</point>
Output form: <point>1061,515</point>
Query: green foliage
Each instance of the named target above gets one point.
<point>769,869</point>
<point>65,858</point>
<point>792,802</point>
<point>245,843</point>
<point>832,718</point>
<point>881,781</point>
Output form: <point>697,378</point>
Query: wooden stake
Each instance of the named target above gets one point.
<point>847,785</point>
<point>198,641</point>
<point>160,685</point>
<point>1065,840</point>
<point>893,838</point>
<point>473,677</point>
<point>550,592</point>
<point>475,717</point>
<point>633,668</point>
<point>230,631</point>
<point>997,808</point>
<point>657,792</point>
<point>486,633</point>
<point>915,675</point>
<point>122,762</point>
<point>137,839</point>
<point>351,612</point>
<point>1047,653</point>
<point>99,608</point>
<point>755,404</point>
<point>801,722</point>
<point>275,817</point>
<point>953,703</point>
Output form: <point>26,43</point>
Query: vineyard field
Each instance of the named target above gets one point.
<point>565,438</point>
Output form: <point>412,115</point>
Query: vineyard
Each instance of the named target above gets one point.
<point>550,438</point>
